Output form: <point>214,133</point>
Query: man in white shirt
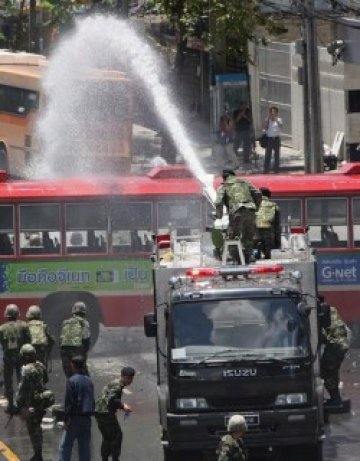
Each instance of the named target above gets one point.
<point>273,125</point>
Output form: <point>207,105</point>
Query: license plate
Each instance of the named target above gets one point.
<point>252,419</point>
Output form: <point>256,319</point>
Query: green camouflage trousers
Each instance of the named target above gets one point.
<point>111,435</point>
<point>330,364</point>
<point>33,424</point>
<point>67,353</point>
<point>242,226</point>
<point>265,241</point>
<point>11,364</point>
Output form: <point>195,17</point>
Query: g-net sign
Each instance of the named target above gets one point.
<point>338,270</point>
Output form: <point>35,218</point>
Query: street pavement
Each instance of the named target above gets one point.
<point>147,143</point>
<point>117,347</point>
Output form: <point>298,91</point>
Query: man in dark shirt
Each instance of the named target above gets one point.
<point>79,406</point>
<point>243,130</point>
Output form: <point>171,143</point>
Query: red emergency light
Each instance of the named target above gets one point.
<point>208,272</point>
<point>163,241</point>
<point>298,230</point>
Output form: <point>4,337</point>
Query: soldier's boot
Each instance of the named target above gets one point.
<point>37,456</point>
<point>335,398</point>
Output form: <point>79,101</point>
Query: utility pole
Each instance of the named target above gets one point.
<point>312,113</point>
<point>32,27</point>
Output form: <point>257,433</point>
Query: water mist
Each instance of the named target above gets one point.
<point>98,40</point>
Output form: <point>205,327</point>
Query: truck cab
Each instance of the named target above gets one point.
<point>238,340</point>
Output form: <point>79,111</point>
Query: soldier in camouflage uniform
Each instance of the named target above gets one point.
<point>336,337</point>
<point>41,338</point>
<point>106,407</point>
<point>13,334</point>
<point>268,228</point>
<point>242,200</point>
<point>75,338</point>
<point>231,447</point>
<point>28,398</point>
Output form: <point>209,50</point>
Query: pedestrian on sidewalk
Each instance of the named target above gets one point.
<point>79,406</point>
<point>243,132</point>
<point>272,127</point>
<point>105,413</point>
<point>224,151</point>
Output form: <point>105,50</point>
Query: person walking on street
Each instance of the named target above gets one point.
<point>14,334</point>
<point>231,446</point>
<point>336,338</point>
<point>32,398</point>
<point>273,125</point>
<point>75,338</point>
<point>79,407</point>
<point>41,338</point>
<point>241,200</point>
<point>105,413</point>
<point>268,227</point>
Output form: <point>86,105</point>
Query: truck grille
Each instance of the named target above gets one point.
<point>244,402</point>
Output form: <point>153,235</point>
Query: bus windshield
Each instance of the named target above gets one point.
<point>253,328</point>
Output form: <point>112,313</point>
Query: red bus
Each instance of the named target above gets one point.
<point>90,239</point>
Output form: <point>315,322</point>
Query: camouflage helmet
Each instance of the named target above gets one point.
<point>33,312</point>
<point>27,350</point>
<point>237,423</point>
<point>11,311</point>
<point>79,308</point>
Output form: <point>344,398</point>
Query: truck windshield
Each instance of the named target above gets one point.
<point>250,328</point>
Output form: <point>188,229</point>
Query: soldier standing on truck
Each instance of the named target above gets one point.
<point>336,337</point>
<point>13,334</point>
<point>267,225</point>
<point>41,338</point>
<point>241,199</point>
<point>75,338</point>
<point>231,447</point>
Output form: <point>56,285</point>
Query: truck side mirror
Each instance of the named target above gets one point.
<point>303,308</point>
<point>150,325</point>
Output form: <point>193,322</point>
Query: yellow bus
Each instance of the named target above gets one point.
<point>22,100</point>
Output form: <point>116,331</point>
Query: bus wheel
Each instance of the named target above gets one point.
<point>57,307</point>
<point>3,159</point>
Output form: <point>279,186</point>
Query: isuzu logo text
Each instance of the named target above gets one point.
<point>239,372</point>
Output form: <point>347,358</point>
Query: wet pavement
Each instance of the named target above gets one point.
<point>118,347</point>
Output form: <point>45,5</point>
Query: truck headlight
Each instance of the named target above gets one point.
<point>291,399</point>
<point>191,403</point>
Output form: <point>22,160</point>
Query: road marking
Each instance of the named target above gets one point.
<point>7,453</point>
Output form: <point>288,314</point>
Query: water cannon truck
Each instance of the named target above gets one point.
<point>236,339</point>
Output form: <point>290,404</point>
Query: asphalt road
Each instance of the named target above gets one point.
<point>118,347</point>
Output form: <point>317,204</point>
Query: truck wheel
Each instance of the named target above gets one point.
<point>311,452</point>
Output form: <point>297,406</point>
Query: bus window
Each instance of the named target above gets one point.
<point>18,101</point>
<point>327,221</point>
<point>356,221</point>
<point>131,227</point>
<point>6,230</point>
<point>184,217</point>
<point>86,228</point>
<point>290,212</point>
<point>39,229</point>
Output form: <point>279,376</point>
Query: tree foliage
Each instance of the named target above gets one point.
<point>230,23</point>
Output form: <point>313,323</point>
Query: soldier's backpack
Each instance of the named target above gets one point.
<point>38,333</point>
<point>11,333</point>
<point>72,332</point>
<point>265,215</point>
